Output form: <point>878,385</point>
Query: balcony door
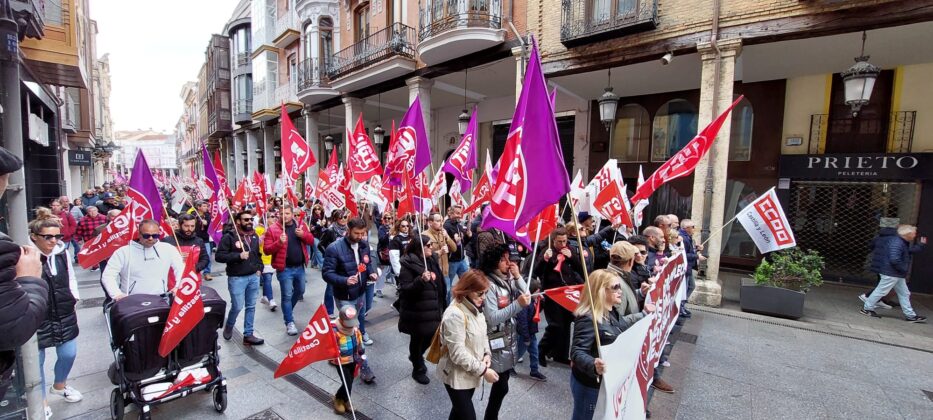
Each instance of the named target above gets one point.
<point>361,22</point>
<point>605,12</point>
<point>326,44</point>
<point>868,131</point>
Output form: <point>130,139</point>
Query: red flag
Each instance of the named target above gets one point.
<point>187,307</point>
<point>568,296</point>
<point>363,161</point>
<point>291,197</point>
<point>259,193</point>
<point>221,173</point>
<point>309,190</point>
<point>548,219</point>
<point>243,193</point>
<point>612,205</point>
<point>684,161</point>
<point>297,157</point>
<point>165,229</point>
<point>406,202</point>
<point>350,202</point>
<point>317,342</point>
<point>482,192</point>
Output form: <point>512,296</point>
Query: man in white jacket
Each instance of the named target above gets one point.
<point>142,266</point>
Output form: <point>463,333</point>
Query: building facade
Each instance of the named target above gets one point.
<point>158,148</point>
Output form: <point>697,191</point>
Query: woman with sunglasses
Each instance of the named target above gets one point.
<point>606,291</point>
<point>60,329</point>
<point>384,233</point>
<point>422,300</point>
<point>401,236</point>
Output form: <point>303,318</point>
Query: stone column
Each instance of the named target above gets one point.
<point>519,71</point>
<point>251,159</point>
<point>712,171</point>
<point>238,154</point>
<point>419,86</point>
<point>268,154</point>
<point>312,136</point>
<point>352,108</point>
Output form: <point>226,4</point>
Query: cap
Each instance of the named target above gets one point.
<point>108,195</point>
<point>348,316</point>
<point>583,216</point>
<point>9,162</point>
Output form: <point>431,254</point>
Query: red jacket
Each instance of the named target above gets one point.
<point>273,245</point>
<point>68,225</point>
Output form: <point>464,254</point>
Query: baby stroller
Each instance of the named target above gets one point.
<point>145,378</point>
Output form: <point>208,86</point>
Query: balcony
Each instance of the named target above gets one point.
<point>242,111</point>
<point>900,130</point>
<point>382,56</point>
<point>586,21</point>
<point>313,85</point>
<point>455,28</point>
<point>286,29</point>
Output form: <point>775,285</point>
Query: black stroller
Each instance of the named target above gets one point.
<point>135,325</point>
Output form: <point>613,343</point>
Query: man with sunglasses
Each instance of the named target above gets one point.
<point>142,266</point>
<point>239,249</point>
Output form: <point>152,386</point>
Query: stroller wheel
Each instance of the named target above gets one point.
<point>117,404</point>
<point>220,399</point>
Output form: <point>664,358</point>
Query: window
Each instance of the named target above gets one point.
<point>52,13</point>
<point>631,135</point>
<point>326,34</point>
<point>674,126</point>
<point>740,134</point>
<point>361,22</point>
<point>604,11</point>
<point>308,43</point>
<point>390,12</point>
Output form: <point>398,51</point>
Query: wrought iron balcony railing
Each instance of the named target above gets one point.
<point>312,73</point>
<point>900,131</point>
<point>439,16</point>
<point>395,40</point>
<point>585,21</point>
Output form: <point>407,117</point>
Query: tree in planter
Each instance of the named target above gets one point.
<point>792,269</point>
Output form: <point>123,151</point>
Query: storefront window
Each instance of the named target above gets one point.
<point>740,135</point>
<point>674,126</point>
<point>631,135</point>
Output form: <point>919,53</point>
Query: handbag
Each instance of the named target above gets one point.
<point>437,349</point>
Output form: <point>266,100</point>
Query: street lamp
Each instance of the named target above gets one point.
<point>859,80</point>
<point>329,142</point>
<point>463,122</point>
<point>378,134</point>
<point>276,151</point>
<point>608,103</point>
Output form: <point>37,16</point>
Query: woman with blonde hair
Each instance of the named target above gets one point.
<point>60,329</point>
<point>598,300</point>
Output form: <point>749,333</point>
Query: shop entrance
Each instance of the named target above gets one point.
<point>840,220</point>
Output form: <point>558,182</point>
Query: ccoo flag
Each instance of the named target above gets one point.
<point>765,222</point>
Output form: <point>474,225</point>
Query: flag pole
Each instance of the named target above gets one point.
<point>586,280</point>
<point>718,231</point>
<point>345,386</point>
<point>534,252</point>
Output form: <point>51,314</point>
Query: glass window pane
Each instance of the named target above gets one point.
<point>674,126</point>
<point>740,135</point>
<point>631,134</point>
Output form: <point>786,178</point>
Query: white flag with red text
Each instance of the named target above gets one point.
<point>766,223</point>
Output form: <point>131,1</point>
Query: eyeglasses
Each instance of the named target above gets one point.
<point>149,235</point>
<point>616,287</point>
<point>50,237</point>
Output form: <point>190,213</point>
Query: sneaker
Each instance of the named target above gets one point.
<point>880,303</point>
<point>272,305</point>
<point>660,385</point>
<point>264,300</point>
<point>891,303</point>
<point>340,407</point>
<point>94,268</point>
<point>521,359</point>
<point>872,314</point>
<point>333,317</point>
<point>421,378</point>
<point>917,319</point>
<point>366,340</point>
<point>252,340</point>
<point>538,376</point>
<point>685,314</point>
<point>228,332</point>
<point>68,393</point>
<point>666,364</point>
<point>290,329</point>
<point>48,412</point>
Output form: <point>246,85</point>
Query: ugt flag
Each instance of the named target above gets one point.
<point>362,160</point>
<point>187,306</point>
<point>684,161</point>
<point>567,297</point>
<point>145,203</point>
<point>765,222</point>
<point>317,342</point>
<point>218,200</point>
<point>297,157</point>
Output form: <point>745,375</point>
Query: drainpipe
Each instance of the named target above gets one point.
<point>522,43</point>
<point>708,190</point>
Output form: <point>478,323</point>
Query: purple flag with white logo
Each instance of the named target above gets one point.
<point>219,210</point>
<point>412,127</point>
<point>463,158</point>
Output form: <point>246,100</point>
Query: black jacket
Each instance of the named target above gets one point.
<point>61,322</point>
<point>340,264</point>
<point>193,240</point>
<point>454,228</point>
<point>23,306</point>
<point>229,253</point>
<point>583,347</point>
<point>421,303</point>
<point>571,271</point>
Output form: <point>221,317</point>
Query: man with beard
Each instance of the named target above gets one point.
<point>239,249</point>
<point>186,238</point>
<point>288,244</point>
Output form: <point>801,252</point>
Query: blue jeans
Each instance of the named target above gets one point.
<point>584,400</point>
<point>884,286</point>
<point>65,358</point>
<point>360,304</point>
<point>266,280</point>
<point>329,299</point>
<point>317,258</point>
<point>532,349</point>
<point>207,249</point>
<point>455,269</point>
<point>292,284</point>
<point>243,291</point>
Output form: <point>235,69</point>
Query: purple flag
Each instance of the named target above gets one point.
<point>142,188</point>
<point>535,165</point>
<point>413,138</point>
<point>219,210</point>
<point>463,158</point>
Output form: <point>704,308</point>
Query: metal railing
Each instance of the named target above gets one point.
<point>900,132</point>
<point>312,74</point>
<point>287,21</point>
<point>395,40</point>
<point>584,19</point>
<point>439,16</point>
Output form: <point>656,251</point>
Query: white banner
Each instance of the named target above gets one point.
<point>765,222</point>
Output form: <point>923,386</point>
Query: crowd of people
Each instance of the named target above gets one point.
<point>473,292</point>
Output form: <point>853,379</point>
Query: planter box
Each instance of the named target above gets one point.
<point>768,300</point>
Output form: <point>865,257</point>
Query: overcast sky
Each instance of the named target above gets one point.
<point>155,47</point>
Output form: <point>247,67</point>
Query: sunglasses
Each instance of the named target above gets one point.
<point>250,220</point>
<point>149,235</point>
<point>643,252</point>
<point>616,287</point>
<point>401,226</point>
<point>50,237</point>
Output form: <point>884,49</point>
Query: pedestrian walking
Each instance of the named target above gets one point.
<point>337,229</point>
<point>239,249</point>
<point>185,238</point>
<point>287,242</point>
<point>891,260</point>
<point>422,301</point>
<point>352,353</point>
<point>347,266</point>
<point>142,266</point>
